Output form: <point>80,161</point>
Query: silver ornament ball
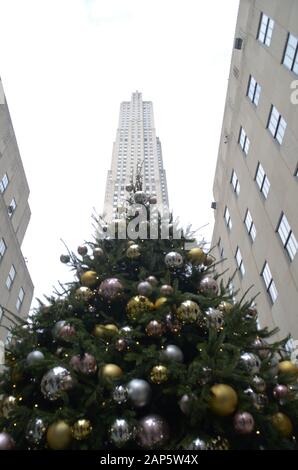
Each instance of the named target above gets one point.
<point>6,441</point>
<point>139,392</point>
<point>172,353</point>
<point>145,288</point>
<point>35,357</point>
<point>208,285</point>
<point>120,394</point>
<point>35,431</point>
<point>152,431</point>
<point>250,362</point>
<point>173,259</point>
<point>197,444</point>
<point>120,432</point>
<point>55,382</point>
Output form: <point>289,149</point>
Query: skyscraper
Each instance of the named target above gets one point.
<point>16,288</point>
<point>136,143</point>
<point>256,180</point>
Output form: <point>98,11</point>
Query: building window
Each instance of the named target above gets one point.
<point>244,141</point>
<point>239,261</point>
<point>287,237</point>
<point>12,207</point>
<point>251,229</point>
<point>2,248</point>
<point>269,283</point>
<point>1,313</point>
<point>265,29</point>
<point>10,277</point>
<point>276,125</point>
<point>4,183</point>
<point>228,218</point>
<point>20,299</point>
<point>290,59</point>
<point>262,180</point>
<point>235,183</point>
<point>220,248</point>
<point>253,90</point>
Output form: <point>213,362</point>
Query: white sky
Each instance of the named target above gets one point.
<point>67,64</point>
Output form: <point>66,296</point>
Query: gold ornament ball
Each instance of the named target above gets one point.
<point>188,311</point>
<point>225,307</point>
<point>283,424</point>
<point>224,400</point>
<point>111,329</point>
<point>287,367</point>
<point>196,256</point>
<point>159,374</point>
<point>133,251</point>
<point>137,306</point>
<point>111,372</point>
<point>59,435</point>
<point>159,302</point>
<point>83,293</point>
<point>81,429</point>
<point>99,331</point>
<point>89,279</point>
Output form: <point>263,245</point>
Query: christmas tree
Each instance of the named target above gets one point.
<point>146,349</point>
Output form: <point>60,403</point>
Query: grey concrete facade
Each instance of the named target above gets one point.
<point>256,181</point>
<point>136,142</point>
<point>16,287</point>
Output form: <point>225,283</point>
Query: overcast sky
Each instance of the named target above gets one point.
<point>67,64</point>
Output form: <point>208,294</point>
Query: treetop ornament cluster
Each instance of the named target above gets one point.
<point>146,349</point>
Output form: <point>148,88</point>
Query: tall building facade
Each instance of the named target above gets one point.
<point>16,288</point>
<point>136,143</point>
<point>256,180</point>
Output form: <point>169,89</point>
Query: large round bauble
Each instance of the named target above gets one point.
<point>89,279</point>
<point>288,368</point>
<point>120,432</point>
<point>243,422</point>
<point>214,318</point>
<point>280,391</point>
<point>166,290</point>
<point>6,441</point>
<point>154,328</point>
<point>120,394</point>
<point>173,259</point>
<point>225,307</point>
<point>153,199</point>
<point>250,362</point>
<point>83,293</point>
<point>223,400</point>
<point>140,197</point>
<point>98,253</point>
<point>152,431</point>
<point>145,288</point>
<point>129,187</point>
<point>99,331</point>
<point>55,382</point>
<point>139,392</point>
<point>133,251</point>
<point>209,260</point>
<point>111,330</point>
<point>283,424</point>
<point>137,306</point>
<point>84,364</point>
<point>66,332</point>
<point>153,281</point>
<point>110,372</point>
<point>185,403</point>
<point>159,374</point>
<point>196,256</point>
<point>121,344</point>
<point>188,311</point>
<point>197,444</point>
<point>111,289</point>
<point>34,358</point>
<point>126,331</point>
<point>81,429</point>
<point>8,405</point>
<point>208,285</point>
<point>57,327</point>
<point>59,435</point>
<point>172,353</point>
<point>35,431</point>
